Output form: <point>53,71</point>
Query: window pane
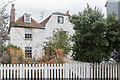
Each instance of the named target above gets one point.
<point>60,19</point>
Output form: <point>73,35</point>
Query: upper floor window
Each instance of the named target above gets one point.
<point>27,18</point>
<point>60,19</point>
<point>28,34</point>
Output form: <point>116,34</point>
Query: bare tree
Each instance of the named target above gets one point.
<point>4,25</point>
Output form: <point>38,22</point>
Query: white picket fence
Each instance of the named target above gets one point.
<point>105,71</point>
<point>59,71</point>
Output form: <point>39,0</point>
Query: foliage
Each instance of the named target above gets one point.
<point>45,60</point>
<point>14,55</point>
<point>95,37</point>
<point>59,41</point>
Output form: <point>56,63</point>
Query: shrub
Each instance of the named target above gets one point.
<point>13,55</point>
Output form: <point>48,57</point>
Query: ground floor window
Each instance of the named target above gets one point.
<point>28,52</point>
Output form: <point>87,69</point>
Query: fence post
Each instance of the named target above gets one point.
<point>88,71</point>
<point>118,71</point>
<point>66,71</point>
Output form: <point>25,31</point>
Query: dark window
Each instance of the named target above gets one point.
<point>28,52</point>
<point>28,34</point>
<point>60,19</point>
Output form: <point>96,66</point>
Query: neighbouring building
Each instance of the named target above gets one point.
<point>113,6</point>
<point>30,35</point>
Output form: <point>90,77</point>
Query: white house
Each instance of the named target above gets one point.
<point>30,35</point>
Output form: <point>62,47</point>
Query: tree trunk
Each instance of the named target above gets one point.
<point>1,50</point>
<point>0,40</point>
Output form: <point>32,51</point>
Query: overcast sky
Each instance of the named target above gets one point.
<point>35,7</point>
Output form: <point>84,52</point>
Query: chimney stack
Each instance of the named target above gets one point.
<point>67,13</point>
<point>12,15</point>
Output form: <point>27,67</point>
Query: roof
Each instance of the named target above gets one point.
<point>58,13</point>
<point>43,23</point>
<point>20,23</point>
<point>111,1</point>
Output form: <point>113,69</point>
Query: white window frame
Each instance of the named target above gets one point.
<point>28,34</point>
<point>60,19</point>
<point>27,18</point>
<point>28,52</point>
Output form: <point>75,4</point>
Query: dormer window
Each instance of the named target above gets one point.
<point>60,19</point>
<point>27,18</point>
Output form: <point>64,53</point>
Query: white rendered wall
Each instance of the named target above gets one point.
<point>53,24</point>
<point>17,37</point>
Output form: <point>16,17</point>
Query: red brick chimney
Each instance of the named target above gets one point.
<point>67,13</point>
<point>12,15</point>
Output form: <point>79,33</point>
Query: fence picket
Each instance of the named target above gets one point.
<point>57,71</point>
<point>17,71</point>
<point>105,71</point>
<point>102,71</point>
<point>94,70</point>
<point>42,71</point>
<point>91,72</point>
<point>116,71</point>
<point>7,71</point>
<point>11,72</point>
<point>97,71</point>
<point>111,70</point>
<point>26,71</point>
<point>108,70</point>
<point>60,71</point>
<point>14,71</point>
<point>45,71</point>
<point>29,71</point>
<point>48,70</point>
<point>1,68</point>
<point>52,71</point>
<point>63,71</point>
<point>37,71</point>
<point>23,71</point>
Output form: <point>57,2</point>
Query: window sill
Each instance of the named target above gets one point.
<point>29,39</point>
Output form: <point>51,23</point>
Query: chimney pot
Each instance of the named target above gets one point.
<point>13,5</point>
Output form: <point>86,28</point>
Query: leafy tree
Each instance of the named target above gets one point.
<point>95,37</point>
<point>60,41</point>
<point>113,36</point>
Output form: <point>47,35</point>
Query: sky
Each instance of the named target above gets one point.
<point>35,7</point>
